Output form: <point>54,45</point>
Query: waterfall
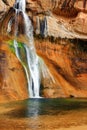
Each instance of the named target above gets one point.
<point>19,58</point>
<point>20,5</point>
<point>32,59</point>
<point>35,65</point>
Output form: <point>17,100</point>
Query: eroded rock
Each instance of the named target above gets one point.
<point>80,23</point>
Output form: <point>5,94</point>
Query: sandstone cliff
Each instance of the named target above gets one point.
<point>67,60</point>
<point>13,84</point>
<point>53,18</point>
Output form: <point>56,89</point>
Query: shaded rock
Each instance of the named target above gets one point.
<point>67,63</point>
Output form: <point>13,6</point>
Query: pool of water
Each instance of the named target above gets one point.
<point>43,114</point>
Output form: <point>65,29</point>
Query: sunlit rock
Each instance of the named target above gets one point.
<point>80,23</point>
<point>13,83</point>
<point>81,5</point>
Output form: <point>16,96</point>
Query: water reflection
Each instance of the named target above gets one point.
<point>42,114</point>
<point>33,108</point>
<point>39,107</point>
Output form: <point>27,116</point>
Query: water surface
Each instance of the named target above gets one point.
<point>43,114</point>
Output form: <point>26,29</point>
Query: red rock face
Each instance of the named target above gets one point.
<point>66,61</point>
<point>13,84</point>
<point>68,64</point>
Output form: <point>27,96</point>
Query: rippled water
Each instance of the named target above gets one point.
<point>43,114</point>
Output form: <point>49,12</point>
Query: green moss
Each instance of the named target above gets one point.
<point>11,46</point>
<point>21,49</point>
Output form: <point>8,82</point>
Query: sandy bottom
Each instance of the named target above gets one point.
<point>74,128</point>
<point>74,120</point>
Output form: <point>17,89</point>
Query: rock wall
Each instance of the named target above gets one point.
<point>53,25</point>
<point>13,83</point>
<point>5,5</point>
<point>67,62</point>
<point>52,17</point>
<point>65,19</point>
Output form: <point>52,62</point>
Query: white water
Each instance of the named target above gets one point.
<point>36,66</point>
<point>34,72</point>
<point>32,58</point>
<point>9,26</point>
<point>20,5</point>
<point>19,58</point>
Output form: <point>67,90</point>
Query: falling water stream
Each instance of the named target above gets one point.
<point>35,65</point>
<point>32,58</point>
